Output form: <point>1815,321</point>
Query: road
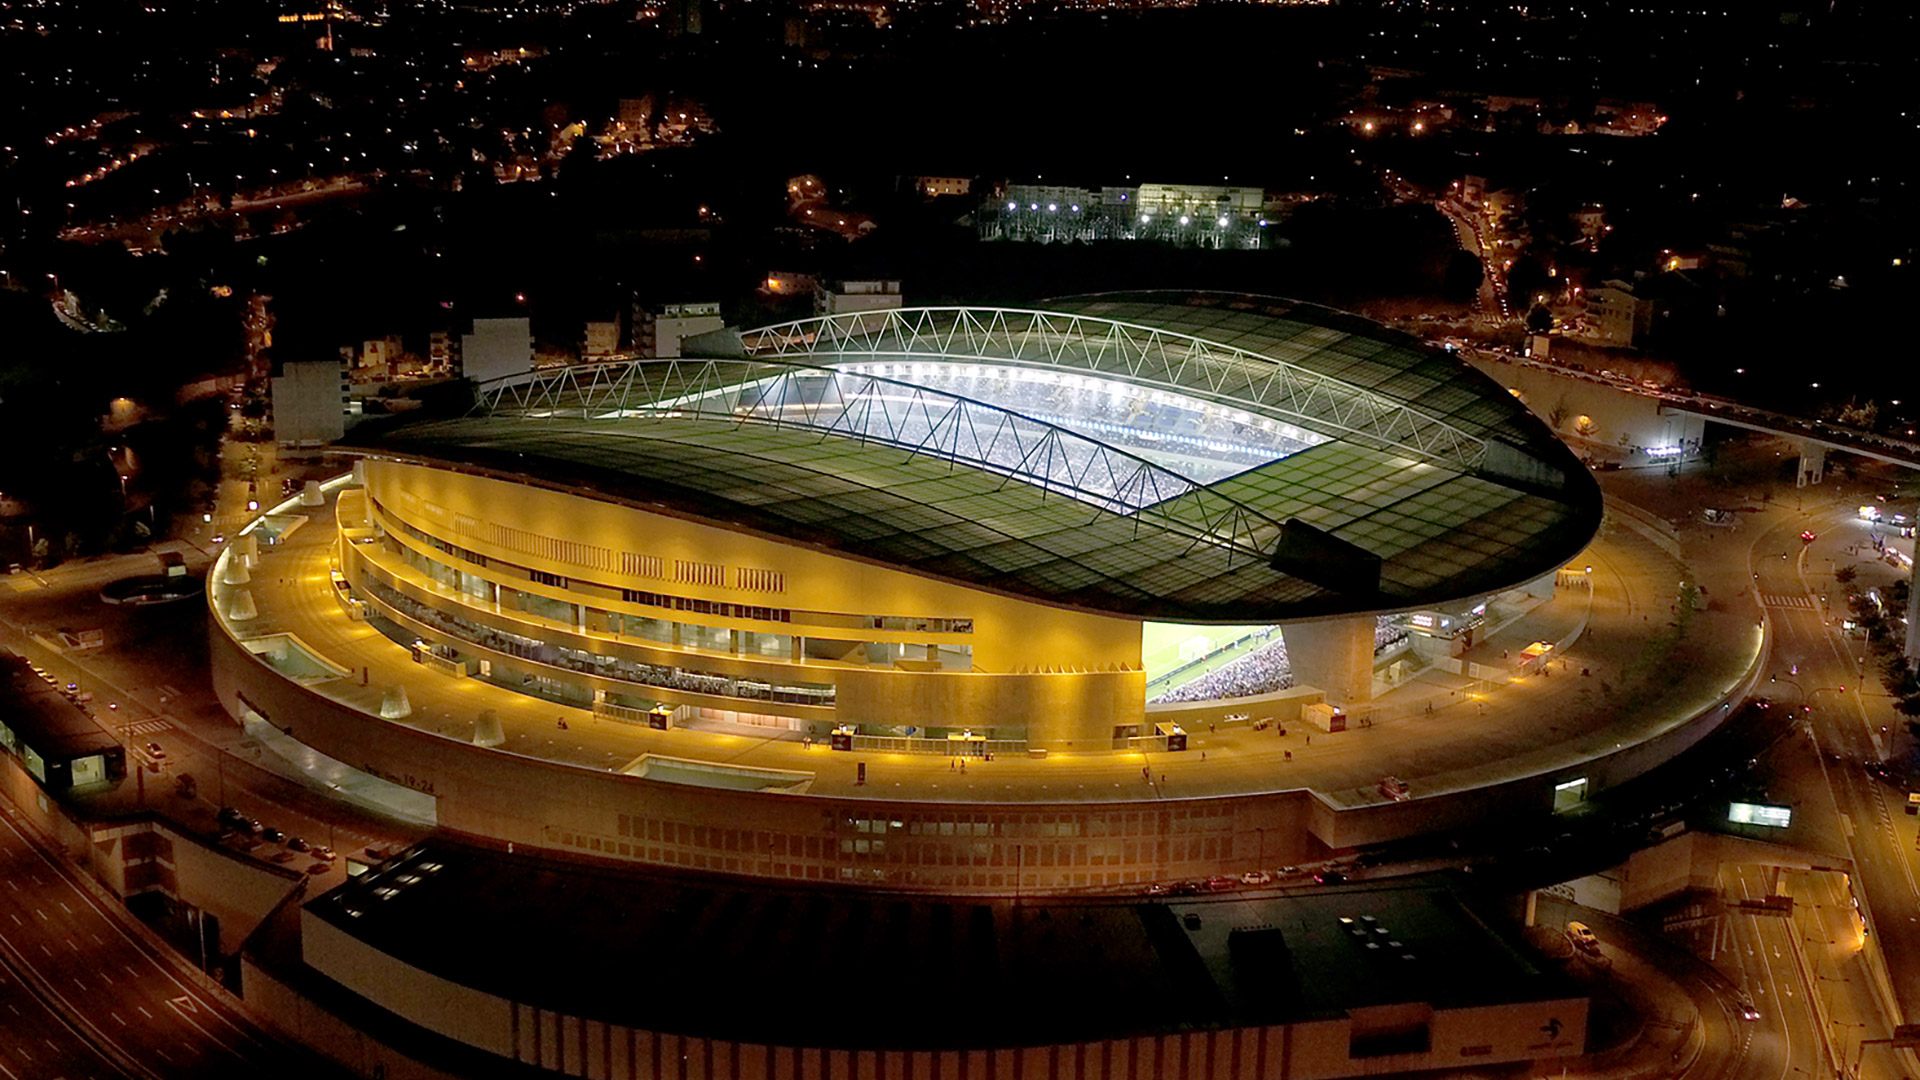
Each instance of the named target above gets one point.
<point>1787,1037</point>
<point>1814,671</point>
<point>86,997</point>
<point>1489,300</point>
<point>149,685</point>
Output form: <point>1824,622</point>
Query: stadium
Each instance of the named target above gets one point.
<point>954,522</point>
<point>950,599</point>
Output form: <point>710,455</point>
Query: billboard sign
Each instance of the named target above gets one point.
<point>1773,817</point>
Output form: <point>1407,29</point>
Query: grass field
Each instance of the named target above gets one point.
<point>1165,646</point>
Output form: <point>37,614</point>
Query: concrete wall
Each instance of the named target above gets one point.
<point>447,1008</point>
<point>1009,634</point>
<point>1062,711</point>
<point>812,838</point>
<point>1611,414</point>
<point>298,1017</point>
<point>1282,706</point>
<point>580,1046</point>
<point>1054,676</point>
<point>1335,655</point>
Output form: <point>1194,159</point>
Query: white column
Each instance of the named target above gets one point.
<point>1813,464</point>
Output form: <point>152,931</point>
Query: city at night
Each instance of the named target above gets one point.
<point>959,539</point>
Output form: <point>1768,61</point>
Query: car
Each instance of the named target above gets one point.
<point>272,835</point>
<point>322,852</point>
<point>295,843</point>
<point>1220,883</point>
<point>1747,1010</point>
<point>1184,888</point>
<point>1329,877</point>
<point>1256,877</point>
<point>253,826</point>
<point>1158,888</point>
<point>1286,871</point>
<point>154,750</point>
<point>1583,937</point>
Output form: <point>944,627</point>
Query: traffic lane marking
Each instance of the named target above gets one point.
<point>157,969</point>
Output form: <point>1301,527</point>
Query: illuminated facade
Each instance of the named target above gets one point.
<point>1194,215</point>
<point>945,523</point>
<point>637,611</point>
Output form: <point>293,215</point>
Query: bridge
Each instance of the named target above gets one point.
<point>1652,424</point>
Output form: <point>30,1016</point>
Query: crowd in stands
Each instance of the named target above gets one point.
<point>1266,668</point>
<point>1199,441</point>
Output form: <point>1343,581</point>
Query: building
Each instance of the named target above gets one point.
<point>601,340</point>
<point>843,296</point>
<point>935,187</point>
<point>789,283</point>
<point>311,402</point>
<point>52,734</point>
<point>497,348</point>
<point>915,531</point>
<point>659,329</point>
<point>1192,215</point>
<point>443,352</point>
<point>381,355</point>
<point>1620,317</point>
<point>1340,982</point>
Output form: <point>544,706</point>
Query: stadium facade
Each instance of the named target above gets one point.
<point>925,531</point>
<point>951,523</point>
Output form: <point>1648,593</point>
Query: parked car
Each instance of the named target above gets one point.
<point>155,751</point>
<point>1329,877</point>
<point>295,843</point>
<point>323,853</point>
<point>272,835</point>
<point>1256,877</point>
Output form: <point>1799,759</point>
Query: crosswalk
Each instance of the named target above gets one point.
<point>149,727</point>
<point>1776,600</point>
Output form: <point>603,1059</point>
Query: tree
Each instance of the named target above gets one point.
<point>1525,278</point>
<point>1845,575</point>
<point>1539,320</point>
<point>1463,276</point>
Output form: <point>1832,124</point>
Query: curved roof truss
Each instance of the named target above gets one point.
<point>868,408</point>
<point>1141,354</point>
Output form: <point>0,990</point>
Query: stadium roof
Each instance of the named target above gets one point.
<point>1368,473</point>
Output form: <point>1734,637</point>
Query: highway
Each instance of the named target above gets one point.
<point>86,997</point>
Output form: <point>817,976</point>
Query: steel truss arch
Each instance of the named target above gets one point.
<point>869,408</point>
<point>1144,355</point>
